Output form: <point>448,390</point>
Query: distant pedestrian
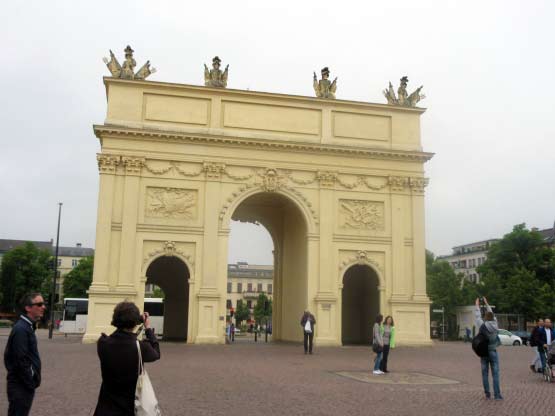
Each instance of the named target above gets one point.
<point>488,327</point>
<point>119,360</point>
<point>536,365</point>
<point>388,335</point>
<point>232,332</point>
<point>377,344</point>
<point>21,357</point>
<point>546,336</point>
<point>467,335</point>
<point>307,322</point>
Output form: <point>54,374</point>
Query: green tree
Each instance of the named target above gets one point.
<point>24,269</point>
<point>241,312</point>
<point>260,314</point>
<point>78,280</point>
<point>519,274</point>
<point>157,292</point>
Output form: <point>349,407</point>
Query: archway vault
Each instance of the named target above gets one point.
<point>327,178</point>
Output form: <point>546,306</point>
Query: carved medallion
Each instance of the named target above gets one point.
<point>366,215</point>
<point>171,203</point>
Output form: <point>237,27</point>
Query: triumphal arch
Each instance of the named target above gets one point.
<point>338,184</point>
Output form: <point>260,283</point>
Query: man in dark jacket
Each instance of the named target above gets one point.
<point>535,342</point>
<point>21,357</point>
<point>119,360</point>
<point>307,322</point>
<point>545,337</point>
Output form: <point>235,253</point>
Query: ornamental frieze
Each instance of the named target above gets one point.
<point>171,203</point>
<point>154,249</point>
<point>363,215</point>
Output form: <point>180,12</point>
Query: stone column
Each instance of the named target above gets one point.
<point>328,270</point>
<point>127,281</point>
<point>107,165</point>
<point>398,185</point>
<point>419,246</point>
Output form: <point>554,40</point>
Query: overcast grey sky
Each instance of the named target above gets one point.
<point>486,66</point>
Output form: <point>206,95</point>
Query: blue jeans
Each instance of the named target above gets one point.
<point>492,360</point>
<point>541,351</point>
<point>378,361</point>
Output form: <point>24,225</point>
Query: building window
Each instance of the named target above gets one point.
<point>59,262</point>
<point>249,287</point>
<point>249,304</point>
<point>74,262</point>
<point>270,288</point>
<point>239,287</point>
<point>229,287</point>
<point>228,304</point>
<point>259,287</point>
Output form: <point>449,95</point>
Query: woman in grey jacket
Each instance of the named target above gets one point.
<point>377,343</point>
<point>488,327</point>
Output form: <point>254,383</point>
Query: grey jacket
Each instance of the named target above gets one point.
<point>491,328</point>
<point>377,335</point>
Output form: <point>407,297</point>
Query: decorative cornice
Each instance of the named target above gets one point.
<point>107,163</point>
<point>116,131</point>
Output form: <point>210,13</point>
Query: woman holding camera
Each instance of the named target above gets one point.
<point>119,360</point>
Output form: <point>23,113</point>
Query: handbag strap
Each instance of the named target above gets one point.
<point>140,367</point>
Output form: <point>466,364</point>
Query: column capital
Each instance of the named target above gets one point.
<point>213,170</point>
<point>133,165</point>
<point>398,183</point>
<point>418,184</point>
<point>107,163</point>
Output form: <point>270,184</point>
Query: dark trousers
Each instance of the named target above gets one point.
<point>308,341</point>
<point>20,399</point>
<point>383,365</point>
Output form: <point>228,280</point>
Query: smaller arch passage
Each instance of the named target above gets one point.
<point>360,302</point>
<point>172,276</point>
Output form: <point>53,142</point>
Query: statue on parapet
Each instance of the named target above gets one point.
<point>127,70</point>
<point>215,77</point>
<point>403,98</point>
<point>325,88</point>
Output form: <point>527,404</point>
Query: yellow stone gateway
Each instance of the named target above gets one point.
<point>338,184</point>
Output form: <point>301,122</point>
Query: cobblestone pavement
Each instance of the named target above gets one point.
<point>277,379</point>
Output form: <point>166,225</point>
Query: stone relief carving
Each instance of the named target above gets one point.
<point>127,70</point>
<point>324,88</point>
<point>171,203</point>
<point>403,98</point>
<point>215,77</point>
<point>327,179</point>
<point>418,184</point>
<point>213,170</point>
<point>169,249</point>
<point>361,257</point>
<point>133,165</point>
<point>272,180</point>
<point>361,214</point>
<point>398,183</point>
<point>107,163</point>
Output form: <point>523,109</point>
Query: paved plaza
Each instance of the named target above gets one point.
<point>278,379</point>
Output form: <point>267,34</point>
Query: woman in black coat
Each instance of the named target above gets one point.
<point>119,361</point>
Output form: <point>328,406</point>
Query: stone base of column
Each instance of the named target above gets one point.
<point>412,322</point>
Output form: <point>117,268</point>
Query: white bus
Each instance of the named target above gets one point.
<point>74,320</point>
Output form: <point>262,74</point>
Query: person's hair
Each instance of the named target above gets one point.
<point>489,316</point>
<point>388,317</point>
<point>126,315</point>
<point>379,318</point>
<point>27,299</point>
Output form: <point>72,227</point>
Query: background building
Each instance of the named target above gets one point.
<point>7,245</point>
<point>467,257</point>
<point>246,281</point>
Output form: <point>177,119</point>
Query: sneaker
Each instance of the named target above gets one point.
<point>533,368</point>
<point>488,395</point>
<point>499,397</point>
<point>377,372</point>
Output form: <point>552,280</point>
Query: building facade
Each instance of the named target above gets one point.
<point>466,258</point>
<point>338,184</point>
<point>246,282</point>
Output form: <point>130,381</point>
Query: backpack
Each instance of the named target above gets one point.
<point>480,343</point>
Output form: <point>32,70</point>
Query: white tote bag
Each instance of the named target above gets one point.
<point>307,326</point>
<point>145,399</point>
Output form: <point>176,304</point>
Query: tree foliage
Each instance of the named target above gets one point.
<point>242,313</point>
<point>24,269</point>
<point>260,313</point>
<point>78,280</point>
<point>519,274</point>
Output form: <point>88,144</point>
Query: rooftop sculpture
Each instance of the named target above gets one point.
<point>127,70</point>
<point>325,88</point>
<point>403,98</point>
<point>215,77</point>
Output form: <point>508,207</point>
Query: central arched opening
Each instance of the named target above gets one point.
<point>171,274</point>
<point>360,302</point>
<point>286,224</point>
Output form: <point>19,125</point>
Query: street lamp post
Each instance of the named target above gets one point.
<point>53,289</point>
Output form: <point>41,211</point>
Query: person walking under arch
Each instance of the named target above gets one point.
<point>307,322</point>
<point>488,327</point>
<point>388,335</point>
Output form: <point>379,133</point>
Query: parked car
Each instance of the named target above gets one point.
<point>524,336</point>
<point>508,338</point>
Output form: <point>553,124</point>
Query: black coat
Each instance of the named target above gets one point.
<point>119,363</point>
<point>308,317</point>
<point>21,356</point>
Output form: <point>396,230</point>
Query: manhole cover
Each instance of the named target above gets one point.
<point>395,378</point>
